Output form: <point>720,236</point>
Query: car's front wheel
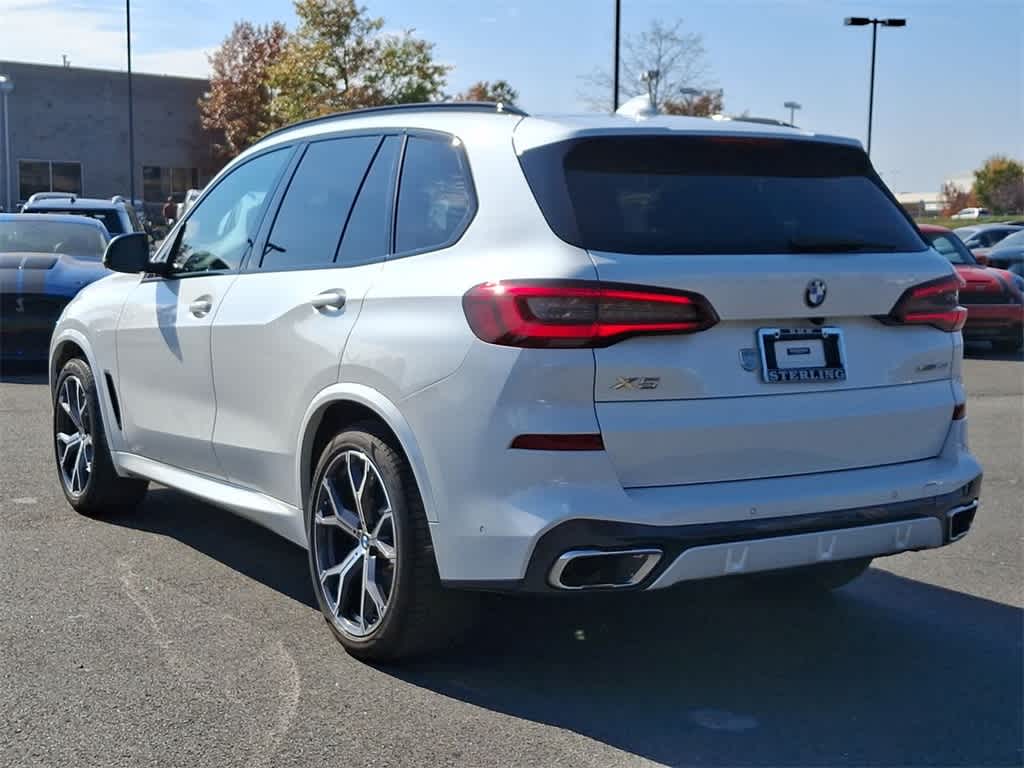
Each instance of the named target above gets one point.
<point>84,467</point>
<point>370,552</point>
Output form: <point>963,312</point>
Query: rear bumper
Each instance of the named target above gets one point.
<point>716,529</point>
<point>691,552</point>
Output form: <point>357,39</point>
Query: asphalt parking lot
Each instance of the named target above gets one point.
<point>185,636</point>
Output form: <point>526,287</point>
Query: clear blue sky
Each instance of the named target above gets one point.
<point>949,87</point>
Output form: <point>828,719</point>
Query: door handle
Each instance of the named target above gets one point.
<point>332,299</point>
<point>201,306</point>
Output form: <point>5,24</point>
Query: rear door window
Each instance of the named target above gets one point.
<point>715,195</point>
<point>316,205</point>
<point>366,237</point>
<point>435,195</point>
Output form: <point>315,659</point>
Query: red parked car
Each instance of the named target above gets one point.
<point>994,297</point>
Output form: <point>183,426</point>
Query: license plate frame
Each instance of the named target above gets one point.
<point>832,348</point>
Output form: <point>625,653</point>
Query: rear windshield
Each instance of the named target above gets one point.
<point>106,217</point>
<point>715,195</point>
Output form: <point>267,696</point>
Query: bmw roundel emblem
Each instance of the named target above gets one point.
<point>815,293</point>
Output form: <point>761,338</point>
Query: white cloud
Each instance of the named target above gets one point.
<point>191,62</point>
<point>90,36</point>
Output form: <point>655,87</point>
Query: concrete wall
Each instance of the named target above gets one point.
<point>81,115</point>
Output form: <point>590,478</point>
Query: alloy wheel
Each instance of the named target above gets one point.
<point>74,436</point>
<point>354,543</point>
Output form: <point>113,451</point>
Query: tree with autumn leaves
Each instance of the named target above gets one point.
<point>998,186</point>
<point>338,58</point>
<point>238,105</point>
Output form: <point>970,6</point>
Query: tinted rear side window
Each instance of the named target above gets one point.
<point>435,196</point>
<point>366,237</point>
<point>715,195</point>
<point>315,207</point>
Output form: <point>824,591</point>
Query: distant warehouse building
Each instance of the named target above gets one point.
<point>68,132</point>
<point>922,203</point>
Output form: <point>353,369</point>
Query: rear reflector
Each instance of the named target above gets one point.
<point>559,442</point>
<point>959,411</point>
<point>935,303</point>
<point>579,313</point>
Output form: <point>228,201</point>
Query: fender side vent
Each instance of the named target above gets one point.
<point>113,398</point>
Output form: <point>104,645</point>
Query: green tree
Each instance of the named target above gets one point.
<point>338,59</point>
<point>237,106</point>
<point>999,184</point>
<point>483,90</point>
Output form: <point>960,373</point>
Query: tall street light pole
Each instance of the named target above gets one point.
<point>615,66</point>
<point>6,86</point>
<point>792,106</point>
<point>131,107</point>
<point>863,21</point>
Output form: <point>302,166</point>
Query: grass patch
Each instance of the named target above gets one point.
<point>943,221</point>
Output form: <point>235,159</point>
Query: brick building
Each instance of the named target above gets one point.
<point>68,132</point>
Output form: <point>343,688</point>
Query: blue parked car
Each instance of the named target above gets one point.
<point>45,259</point>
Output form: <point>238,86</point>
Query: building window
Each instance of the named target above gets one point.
<point>159,182</point>
<point>66,177</point>
<point>44,176</point>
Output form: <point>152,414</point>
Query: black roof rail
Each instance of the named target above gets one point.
<point>497,108</point>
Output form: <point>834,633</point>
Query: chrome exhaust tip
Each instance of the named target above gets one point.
<point>601,569</point>
<point>960,520</point>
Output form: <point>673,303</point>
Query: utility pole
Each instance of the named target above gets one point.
<point>615,66</point>
<point>131,107</point>
<point>792,106</point>
<point>6,86</point>
<point>863,21</point>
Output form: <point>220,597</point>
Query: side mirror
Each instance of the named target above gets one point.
<point>130,253</point>
<point>981,258</point>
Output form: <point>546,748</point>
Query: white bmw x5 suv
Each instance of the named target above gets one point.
<point>455,347</point>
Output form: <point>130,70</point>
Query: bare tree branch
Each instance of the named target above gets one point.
<point>678,56</point>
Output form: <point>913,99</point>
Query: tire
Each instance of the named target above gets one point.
<point>825,577</point>
<point>351,571</point>
<point>84,468</point>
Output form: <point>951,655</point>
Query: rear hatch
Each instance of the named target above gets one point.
<point>804,257</point>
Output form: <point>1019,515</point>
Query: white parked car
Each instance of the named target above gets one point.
<point>452,348</point>
<point>971,213</point>
<point>115,214</point>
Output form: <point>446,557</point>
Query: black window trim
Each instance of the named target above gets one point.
<point>252,262</point>
<point>170,243</point>
<point>474,206</point>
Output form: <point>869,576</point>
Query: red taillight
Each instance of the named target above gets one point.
<point>585,442</point>
<point>555,313</point>
<point>935,303</point>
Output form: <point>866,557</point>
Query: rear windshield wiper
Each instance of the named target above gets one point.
<point>797,245</point>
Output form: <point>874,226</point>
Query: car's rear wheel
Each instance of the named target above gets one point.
<point>370,553</point>
<point>84,467</point>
